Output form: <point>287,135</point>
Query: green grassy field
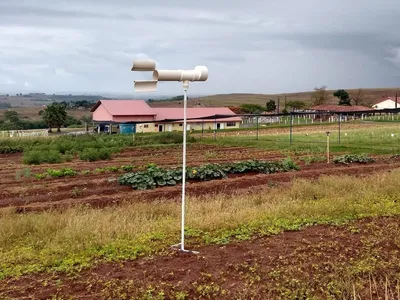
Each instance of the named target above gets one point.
<point>381,138</point>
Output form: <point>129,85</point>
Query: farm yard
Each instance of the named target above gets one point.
<point>266,215</point>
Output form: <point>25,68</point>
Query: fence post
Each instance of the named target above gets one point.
<point>257,127</point>
<point>215,127</point>
<point>339,119</point>
<point>291,127</point>
<point>327,147</point>
<point>202,129</point>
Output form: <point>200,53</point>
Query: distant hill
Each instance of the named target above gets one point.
<point>369,96</point>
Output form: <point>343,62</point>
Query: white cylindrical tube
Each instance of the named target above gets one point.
<point>167,75</point>
<point>145,86</point>
<point>144,65</point>
<point>202,72</point>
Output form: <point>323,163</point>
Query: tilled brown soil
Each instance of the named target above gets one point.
<point>356,261</point>
<point>101,189</point>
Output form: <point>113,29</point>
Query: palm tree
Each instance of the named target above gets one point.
<point>86,120</point>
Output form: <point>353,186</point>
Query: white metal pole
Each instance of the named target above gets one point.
<point>185,88</point>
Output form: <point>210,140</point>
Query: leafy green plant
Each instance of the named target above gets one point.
<point>310,159</point>
<point>154,176</point>
<point>126,168</point>
<point>150,178</point>
<point>210,154</point>
<point>61,173</point>
<point>289,164</point>
<point>40,176</point>
<point>112,169</point>
<point>85,172</point>
<point>352,158</point>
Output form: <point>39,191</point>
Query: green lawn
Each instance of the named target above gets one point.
<point>379,139</point>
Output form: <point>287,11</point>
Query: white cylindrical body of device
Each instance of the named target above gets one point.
<point>200,73</point>
<point>167,75</point>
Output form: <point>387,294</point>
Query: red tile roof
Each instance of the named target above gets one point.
<point>126,107</point>
<point>165,113</point>
<point>341,108</point>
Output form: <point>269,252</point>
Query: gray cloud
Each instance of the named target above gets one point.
<point>250,46</point>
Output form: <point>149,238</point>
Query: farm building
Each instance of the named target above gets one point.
<point>344,110</point>
<point>137,116</point>
<point>340,108</point>
<point>386,103</point>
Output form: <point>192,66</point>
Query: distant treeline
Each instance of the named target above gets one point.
<point>76,98</point>
<point>176,98</point>
<point>87,104</point>
<point>11,120</point>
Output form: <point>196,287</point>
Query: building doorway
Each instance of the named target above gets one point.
<point>218,125</point>
<point>160,128</point>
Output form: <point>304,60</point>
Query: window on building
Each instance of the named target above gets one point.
<point>146,126</point>
<point>180,124</point>
<point>230,124</point>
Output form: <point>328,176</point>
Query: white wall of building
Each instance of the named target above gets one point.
<point>386,104</point>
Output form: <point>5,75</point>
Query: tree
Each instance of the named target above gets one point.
<point>271,106</point>
<point>11,116</point>
<point>320,95</point>
<point>357,96</point>
<point>344,97</point>
<point>54,115</point>
<point>11,121</point>
<point>296,104</point>
<point>252,108</point>
<point>86,120</point>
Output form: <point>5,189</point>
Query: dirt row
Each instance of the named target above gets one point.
<point>11,165</point>
<point>103,190</point>
<point>319,262</point>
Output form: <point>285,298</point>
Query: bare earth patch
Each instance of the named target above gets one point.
<point>360,259</point>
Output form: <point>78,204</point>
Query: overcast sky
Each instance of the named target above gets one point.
<point>256,46</point>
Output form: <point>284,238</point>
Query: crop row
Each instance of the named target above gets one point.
<point>352,158</point>
<point>68,172</point>
<point>155,176</point>
<point>88,147</point>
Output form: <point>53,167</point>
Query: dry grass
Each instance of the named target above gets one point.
<point>64,240</point>
<point>370,95</point>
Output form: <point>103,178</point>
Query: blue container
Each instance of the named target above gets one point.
<point>127,128</point>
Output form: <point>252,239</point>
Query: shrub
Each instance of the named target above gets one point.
<point>68,157</point>
<point>52,157</point>
<point>92,154</point>
<point>11,149</point>
<point>39,157</point>
<point>161,138</point>
<point>33,158</point>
